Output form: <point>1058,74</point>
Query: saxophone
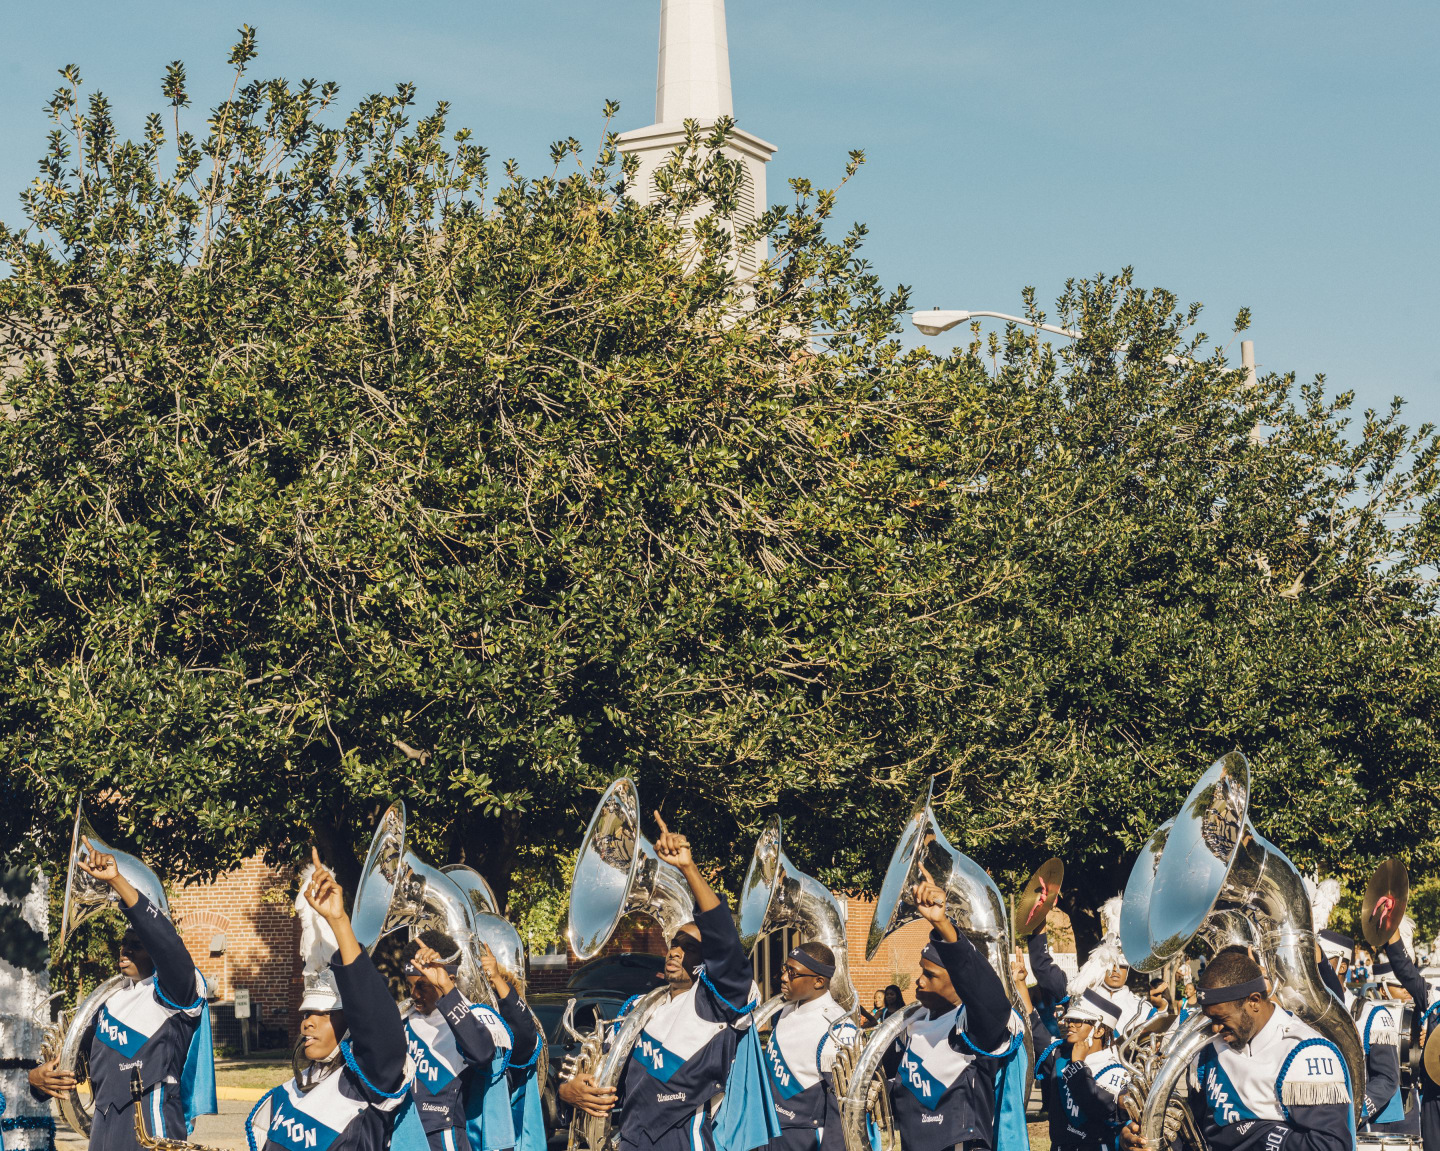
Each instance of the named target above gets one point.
<point>142,1136</point>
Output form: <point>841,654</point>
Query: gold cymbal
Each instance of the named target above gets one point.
<point>1040,895</point>
<point>1385,897</point>
<point>1431,1062</point>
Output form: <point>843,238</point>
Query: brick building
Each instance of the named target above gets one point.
<point>241,932</point>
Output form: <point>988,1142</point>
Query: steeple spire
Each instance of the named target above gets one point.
<point>694,80</point>
<point>694,84</point>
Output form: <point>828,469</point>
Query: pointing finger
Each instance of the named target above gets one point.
<point>663,829</point>
<point>928,877</point>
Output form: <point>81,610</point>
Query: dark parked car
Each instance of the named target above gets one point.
<point>632,972</point>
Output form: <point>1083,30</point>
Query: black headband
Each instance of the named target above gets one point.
<point>411,969</point>
<point>1208,995</point>
<point>931,954</point>
<point>820,967</point>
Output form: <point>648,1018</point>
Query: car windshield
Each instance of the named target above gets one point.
<point>628,973</point>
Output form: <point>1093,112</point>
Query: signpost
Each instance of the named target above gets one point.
<point>242,1016</point>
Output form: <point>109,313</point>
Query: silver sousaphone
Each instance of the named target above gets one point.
<point>973,903</point>
<point>617,873</point>
<point>1217,881</point>
<point>85,898</point>
<point>777,894</point>
<point>399,889</point>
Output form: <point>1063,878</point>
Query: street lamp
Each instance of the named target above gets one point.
<point>934,322</point>
<point>938,320</point>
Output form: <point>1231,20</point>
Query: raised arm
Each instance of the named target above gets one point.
<point>1408,974</point>
<point>1331,980</point>
<point>726,965</point>
<point>174,969</point>
<point>522,1027</point>
<point>987,1008</point>
<point>512,1009</point>
<point>1048,976</point>
<point>377,1035</point>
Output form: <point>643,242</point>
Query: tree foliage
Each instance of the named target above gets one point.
<point>341,473</point>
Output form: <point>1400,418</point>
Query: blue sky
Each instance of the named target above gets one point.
<point>1280,155</point>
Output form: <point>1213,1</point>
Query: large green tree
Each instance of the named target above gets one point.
<point>338,475</point>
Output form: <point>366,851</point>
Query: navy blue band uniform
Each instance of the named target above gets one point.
<point>800,1062</point>
<point>683,1056</point>
<point>1081,1096</point>
<point>943,1092</point>
<point>453,1045</point>
<point>1413,1116</point>
<point>147,1025</point>
<point>345,1108</point>
<point>1287,1088</point>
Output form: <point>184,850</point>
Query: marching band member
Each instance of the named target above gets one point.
<point>1080,1076</point>
<point>148,1025</point>
<point>1267,1081</point>
<point>1105,966</point>
<point>1380,1027</point>
<point>461,1051</point>
<point>350,1095</point>
<point>684,1055</point>
<point>800,1056</point>
<point>944,1091</point>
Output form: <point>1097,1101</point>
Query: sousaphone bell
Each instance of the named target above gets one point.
<point>86,896</point>
<point>618,872</point>
<point>399,889</point>
<point>777,894</point>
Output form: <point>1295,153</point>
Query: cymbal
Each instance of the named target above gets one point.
<point>1431,1062</point>
<point>1040,895</point>
<point>1385,897</point>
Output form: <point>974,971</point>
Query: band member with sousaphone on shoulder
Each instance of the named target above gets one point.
<point>1268,1081</point>
<point>147,1026</point>
<point>943,1093</point>
<point>684,1055</point>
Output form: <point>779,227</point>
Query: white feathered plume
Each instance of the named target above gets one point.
<point>1407,935</point>
<point>317,941</point>
<point>1107,952</point>
<point>1324,896</point>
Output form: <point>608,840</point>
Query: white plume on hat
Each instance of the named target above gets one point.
<point>1106,954</point>
<point>1324,896</point>
<point>317,947</point>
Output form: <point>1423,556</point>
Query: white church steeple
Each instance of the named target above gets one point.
<point>694,84</point>
<point>694,81</point>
